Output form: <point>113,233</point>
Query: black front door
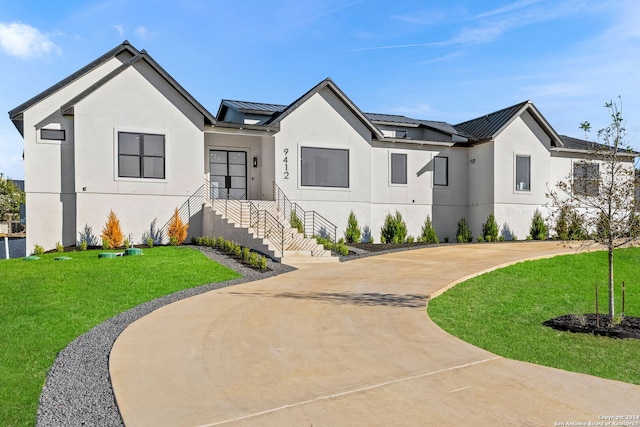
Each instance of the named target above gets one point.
<point>228,172</point>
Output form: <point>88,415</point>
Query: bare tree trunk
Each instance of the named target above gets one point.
<point>611,308</point>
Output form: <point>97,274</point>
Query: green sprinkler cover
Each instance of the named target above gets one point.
<point>133,251</point>
<point>32,258</point>
<point>62,258</point>
<point>107,255</point>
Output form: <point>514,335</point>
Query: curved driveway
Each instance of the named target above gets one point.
<point>344,344</point>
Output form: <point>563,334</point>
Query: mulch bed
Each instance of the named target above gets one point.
<point>601,324</point>
<point>380,247</point>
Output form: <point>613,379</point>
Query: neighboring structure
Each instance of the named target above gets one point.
<point>122,134</point>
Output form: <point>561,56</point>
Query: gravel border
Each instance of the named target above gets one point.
<point>78,391</point>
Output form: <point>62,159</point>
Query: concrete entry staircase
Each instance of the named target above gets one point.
<point>260,225</point>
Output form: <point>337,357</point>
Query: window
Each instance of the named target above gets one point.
<point>440,170</point>
<point>586,178</point>
<point>140,155</point>
<point>398,168</point>
<point>324,167</point>
<point>523,173</point>
<point>52,134</point>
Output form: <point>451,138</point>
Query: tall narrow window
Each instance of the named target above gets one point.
<point>141,155</point>
<point>324,167</point>
<point>398,168</point>
<point>440,170</point>
<point>523,173</point>
<point>586,178</point>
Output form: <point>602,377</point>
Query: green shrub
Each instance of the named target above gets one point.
<point>339,248</point>
<point>463,235</point>
<point>562,223</point>
<point>576,227</point>
<point>246,252</point>
<point>263,263</point>
<point>296,222</point>
<point>428,233</point>
<point>127,244</point>
<point>394,229</point>
<point>59,247</point>
<point>83,245</point>
<point>480,239</point>
<point>490,229</point>
<point>538,230</point>
<point>514,238</point>
<point>149,242</point>
<point>501,238</point>
<point>353,233</point>
<point>237,251</point>
<point>38,250</point>
<point>105,244</point>
<point>410,239</point>
<point>446,239</point>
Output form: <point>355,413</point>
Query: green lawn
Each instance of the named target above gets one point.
<point>503,311</point>
<point>46,304</point>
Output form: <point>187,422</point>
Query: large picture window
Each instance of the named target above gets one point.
<point>324,167</point>
<point>440,170</point>
<point>141,155</point>
<point>523,173</point>
<point>586,178</point>
<point>398,168</point>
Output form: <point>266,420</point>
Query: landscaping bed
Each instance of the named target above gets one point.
<point>380,247</point>
<point>626,327</point>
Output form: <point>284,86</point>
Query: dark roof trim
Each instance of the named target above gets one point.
<point>575,145</point>
<point>143,55</point>
<point>16,114</point>
<point>328,83</point>
<point>487,127</point>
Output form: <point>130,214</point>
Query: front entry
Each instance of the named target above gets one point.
<point>228,172</point>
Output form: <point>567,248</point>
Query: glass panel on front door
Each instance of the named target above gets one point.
<point>228,174</point>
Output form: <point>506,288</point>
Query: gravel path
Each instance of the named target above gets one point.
<point>78,389</point>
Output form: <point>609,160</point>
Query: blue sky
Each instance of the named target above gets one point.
<point>439,60</point>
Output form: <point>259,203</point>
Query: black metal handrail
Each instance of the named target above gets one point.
<point>314,224</point>
<point>261,221</point>
<point>192,204</point>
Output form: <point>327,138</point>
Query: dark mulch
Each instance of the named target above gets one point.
<point>629,327</point>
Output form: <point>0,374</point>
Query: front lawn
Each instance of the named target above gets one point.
<point>46,304</point>
<point>503,311</point>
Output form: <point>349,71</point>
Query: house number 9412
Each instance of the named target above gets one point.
<point>285,160</point>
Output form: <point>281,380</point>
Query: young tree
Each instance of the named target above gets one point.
<point>602,192</point>
<point>428,233</point>
<point>490,229</point>
<point>538,230</point>
<point>10,198</point>
<point>177,230</point>
<point>352,233</point>
<point>112,232</point>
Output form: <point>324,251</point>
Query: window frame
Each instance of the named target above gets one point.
<point>584,181</point>
<point>333,149</point>
<point>446,171</point>
<point>515,173</point>
<point>44,138</point>
<point>406,171</point>
<point>141,155</point>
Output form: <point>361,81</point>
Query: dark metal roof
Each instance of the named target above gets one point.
<point>254,107</point>
<point>485,127</point>
<point>397,120</point>
<point>571,143</point>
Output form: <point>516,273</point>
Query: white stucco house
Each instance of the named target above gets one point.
<point>121,134</point>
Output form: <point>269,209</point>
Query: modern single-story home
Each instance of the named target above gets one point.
<point>121,134</point>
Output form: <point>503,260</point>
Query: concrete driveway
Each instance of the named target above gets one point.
<point>343,345</point>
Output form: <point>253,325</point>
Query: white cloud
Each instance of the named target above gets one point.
<point>24,41</point>
<point>119,29</point>
<point>142,32</point>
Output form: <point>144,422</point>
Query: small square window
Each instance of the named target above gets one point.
<point>141,155</point>
<point>52,134</point>
<point>586,178</point>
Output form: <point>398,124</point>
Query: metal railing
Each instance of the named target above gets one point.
<point>314,224</point>
<point>191,205</point>
<point>246,214</point>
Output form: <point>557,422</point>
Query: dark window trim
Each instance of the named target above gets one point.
<point>528,189</point>
<point>52,134</point>
<point>142,156</point>
<point>446,171</point>
<point>327,186</point>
